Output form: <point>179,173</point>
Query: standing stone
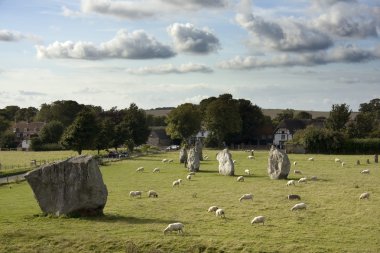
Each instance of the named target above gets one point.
<point>198,147</point>
<point>73,187</point>
<point>226,165</point>
<point>182,155</point>
<point>357,162</point>
<point>193,160</point>
<point>376,158</point>
<point>368,162</point>
<point>278,164</point>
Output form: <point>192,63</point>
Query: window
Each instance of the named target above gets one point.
<point>282,136</point>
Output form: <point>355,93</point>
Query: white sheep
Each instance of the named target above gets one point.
<point>364,195</point>
<point>295,164</point>
<point>365,171</point>
<point>179,180</point>
<point>240,179</point>
<point>297,172</point>
<point>342,163</point>
<point>176,183</point>
<point>212,209</point>
<point>220,213</point>
<point>246,197</point>
<point>247,171</point>
<point>291,182</point>
<point>298,206</point>
<point>174,227</point>
<point>164,160</point>
<point>153,194</point>
<point>156,170</point>
<point>294,196</point>
<point>337,160</point>
<point>234,161</point>
<point>258,219</point>
<point>302,180</point>
<point>251,157</point>
<point>188,177</point>
<point>140,169</point>
<point>311,159</point>
<point>135,194</point>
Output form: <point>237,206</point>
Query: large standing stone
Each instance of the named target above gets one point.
<point>226,165</point>
<point>278,164</point>
<point>193,163</point>
<point>198,147</point>
<point>73,187</point>
<point>376,158</point>
<point>182,155</point>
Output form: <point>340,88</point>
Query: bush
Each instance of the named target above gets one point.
<point>361,146</point>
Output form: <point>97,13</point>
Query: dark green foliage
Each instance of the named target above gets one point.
<point>51,132</point>
<point>7,140</point>
<point>339,116</point>
<point>285,114</point>
<point>361,146</point>
<point>156,120</point>
<point>64,111</point>
<point>303,115</point>
<point>26,114</point>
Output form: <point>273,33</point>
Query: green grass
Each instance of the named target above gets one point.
<point>335,221</point>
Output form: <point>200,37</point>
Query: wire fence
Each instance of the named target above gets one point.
<point>29,166</point>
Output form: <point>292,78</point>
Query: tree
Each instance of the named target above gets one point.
<point>81,133</point>
<point>51,132</point>
<point>105,134</point>
<point>285,114</point>
<point>303,115</point>
<point>26,114</point>
<point>222,117</point>
<point>338,118</point>
<point>7,140</point>
<point>183,122</point>
<point>64,111</point>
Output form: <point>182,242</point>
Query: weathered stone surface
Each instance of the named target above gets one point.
<point>226,165</point>
<point>198,148</point>
<point>73,187</point>
<point>376,158</point>
<point>193,162</point>
<point>278,164</point>
<point>182,155</point>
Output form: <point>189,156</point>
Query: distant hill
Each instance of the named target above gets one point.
<point>268,112</point>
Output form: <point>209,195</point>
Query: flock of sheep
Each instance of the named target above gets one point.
<point>219,212</point>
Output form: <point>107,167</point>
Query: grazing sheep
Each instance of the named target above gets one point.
<point>291,182</point>
<point>170,161</point>
<point>135,194</point>
<point>140,169</point>
<point>295,164</point>
<point>364,195</point>
<point>153,194</point>
<point>174,227</point>
<point>246,197</point>
<point>302,180</point>
<point>205,157</point>
<point>212,209</point>
<point>314,178</point>
<point>240,179</point>
<point>164,160</point>
<point>251,157</point>
<point>191,173</point>
<point>220,213</point>
<point>234,161</point>
<point>294,196</point>
<point>311,159</point>
<point>297,172</point>
<point>188,177</point>
<point>343,163</point>
<point>156,170</point>
<point>247,171</point>
<point>337,160</point>
<point>176,183</point>
<point>179,180</point>
<point>258,219</point>
<point>365,171</point>
<point>298,206</point>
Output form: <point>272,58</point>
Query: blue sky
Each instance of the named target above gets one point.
<point>279,54</point>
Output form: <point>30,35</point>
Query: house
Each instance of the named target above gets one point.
<point>158,137</point>
<point>287,128</point>
<point>24,131</point>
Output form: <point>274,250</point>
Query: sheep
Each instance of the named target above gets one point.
<point>365,171</point>
<point>302,180</point>
<point>176,183</point>
<point>220,213</point>
<point>174,227</point>
<point>343,163</point>
<point>298,206</point>
<point>294,196</point>
<point>364,195</point>
<point>179,180</point>
<point>337,160</point>
<point>246,196</point>
<point>240,179</point>
<point>170,161</point>
<point>251,157</point>
<point>188,177</point>
<point>212,209</point>
<point>156,170</point>
<point>135,194</point>
<point>140,169</point>
<point>164,160</point>
<point>153,194</point>
<point>311,159</point>
<point>247,171</point>
<point>297,172</point>
<point>295,164</point>
<point>205,157</point>
<point>291,182</point>
<point>234,161</point>
<point>258,219</point>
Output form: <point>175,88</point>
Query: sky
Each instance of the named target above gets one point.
<point>299,54</point>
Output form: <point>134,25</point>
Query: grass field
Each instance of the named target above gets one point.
<point>335,220</point>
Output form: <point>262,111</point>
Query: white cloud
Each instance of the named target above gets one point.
<point>190,39</point>
<point>14,36</point>
<point>198,4</point>
<point>134,45</point>
<point>171,69</point>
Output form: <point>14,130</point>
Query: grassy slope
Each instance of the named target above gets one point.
<point>335,221</point>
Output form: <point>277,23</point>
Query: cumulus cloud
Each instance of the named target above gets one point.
<point>146,8</point>
<point>14,36</point>
<point>171,69</point>
<point>287,35</point>
<point>341,54</point>
<point>125,45</point>
<point>190,39</point>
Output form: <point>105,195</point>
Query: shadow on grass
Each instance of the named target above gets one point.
<point>111,218</point>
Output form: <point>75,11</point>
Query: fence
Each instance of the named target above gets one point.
<point>33,164</point>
